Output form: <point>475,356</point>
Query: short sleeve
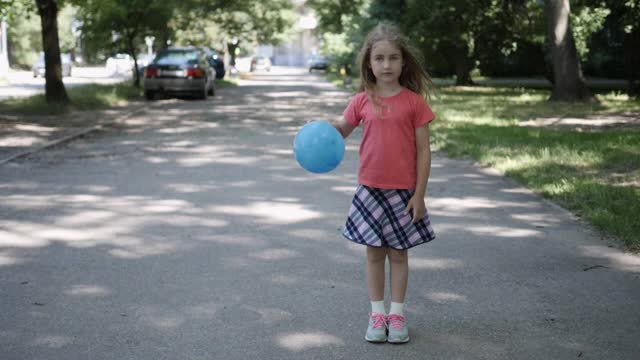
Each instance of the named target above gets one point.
<point>424,115</point>
<point>353,111</point>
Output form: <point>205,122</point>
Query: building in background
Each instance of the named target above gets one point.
<point>303,45</point>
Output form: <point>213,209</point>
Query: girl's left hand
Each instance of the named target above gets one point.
<point>419,208</point>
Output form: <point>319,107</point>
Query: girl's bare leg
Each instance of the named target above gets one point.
<point>375,272</point>
<point>399,266</point>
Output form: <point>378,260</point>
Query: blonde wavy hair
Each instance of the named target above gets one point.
<point>414,77</point>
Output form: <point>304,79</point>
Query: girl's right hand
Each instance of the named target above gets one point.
<point>343,127</point>
<point>416,203</point>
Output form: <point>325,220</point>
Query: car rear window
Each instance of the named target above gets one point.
<point>176,58</point>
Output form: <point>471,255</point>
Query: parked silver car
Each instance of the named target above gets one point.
<point>119,64</point>
<point>260,63</point>
<point>38,66</point>
<point>179,71</point>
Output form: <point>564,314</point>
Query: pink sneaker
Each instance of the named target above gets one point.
<point>398,330</point>
<point>377,330</point>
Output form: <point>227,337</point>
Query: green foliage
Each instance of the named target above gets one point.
<point>342,26</point>
<point>24,34</point>
<point>499,37</point>
<point>66,17</point>
<point>336,16</point>
<point>112,26</point>
<point>338,47</point>
<point>585,22</point>
<point>248,22</point>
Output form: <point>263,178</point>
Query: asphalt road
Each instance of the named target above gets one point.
<point>22,83</point>
<point>189,232</point>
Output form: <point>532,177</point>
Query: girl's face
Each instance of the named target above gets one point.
<point>386,62</point>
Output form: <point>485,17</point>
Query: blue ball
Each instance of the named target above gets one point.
<point>318,147</point>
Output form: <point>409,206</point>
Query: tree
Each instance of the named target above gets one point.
<point>121,25</point>
<point>254,21</point>
<point>569,84</point>
<point>55,91</point>
<point>341,27</point>
<point>24,32</point>
<point>445,42</point>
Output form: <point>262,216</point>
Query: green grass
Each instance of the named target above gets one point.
<point>226,82</point>
<point>596,175</point>
<point>86,97</point>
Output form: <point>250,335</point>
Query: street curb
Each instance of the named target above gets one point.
<point>72,136</point>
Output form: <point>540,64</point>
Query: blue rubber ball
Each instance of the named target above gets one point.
<point>318,147</point>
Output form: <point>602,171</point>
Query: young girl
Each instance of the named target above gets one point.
<point>388,212</point>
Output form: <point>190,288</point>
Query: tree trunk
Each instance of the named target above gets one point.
<point>569,85</point>
<point>631,44</point>
<point>232,53</point>
<point>463,64</point>
<point>132,50</point>
<point>463,72</point>
<point>54,88</point>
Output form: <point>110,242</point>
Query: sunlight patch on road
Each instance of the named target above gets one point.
<point>23,202</point>
<point>143,250</point>
<point>306,340</point>
<point>53,341</point>
<point>192,188</point>
<point>20,235</point>
<point>286,279</point>
<point>271,315</point>
<point>88,291</point>
<point>349,190</point>
<point>500,231</point>
<point>213,156</point>
<point>274,254</point>
<point>162,318</point>
<point>235,240</point>
<point>449,203</point>
<point>270,212</point>
<point>418,263</point>
<point>156,160</point>
<point>87,217</point>
<point>7,258</point>
<point>442,297</point>
<point>165,206</point>
<point>19,141</point>
<point>613,258</point>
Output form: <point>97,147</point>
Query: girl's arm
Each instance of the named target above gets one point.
<point>423,170</point>
<point>343,127</point>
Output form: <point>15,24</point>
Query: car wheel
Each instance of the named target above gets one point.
<point>202,95</point>
<point>149,95</point>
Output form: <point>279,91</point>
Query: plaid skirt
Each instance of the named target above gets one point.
<point>376,218</point>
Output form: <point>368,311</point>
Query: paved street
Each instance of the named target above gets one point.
<point>189,232</point>
<point>22,83</point>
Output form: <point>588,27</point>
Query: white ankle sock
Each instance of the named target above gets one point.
<point>396,308</point>
<point>378,307</point>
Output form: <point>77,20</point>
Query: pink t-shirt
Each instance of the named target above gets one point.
<point>388,148</point>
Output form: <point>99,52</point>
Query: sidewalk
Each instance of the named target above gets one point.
<point>21,135</point>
